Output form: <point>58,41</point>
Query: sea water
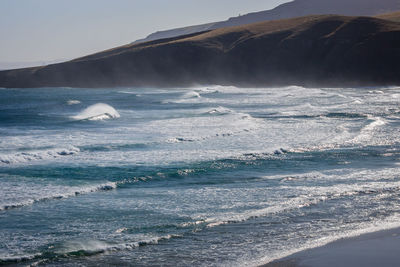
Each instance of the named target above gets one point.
<point>211,176</point>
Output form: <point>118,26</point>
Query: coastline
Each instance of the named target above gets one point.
<point>381,248</point>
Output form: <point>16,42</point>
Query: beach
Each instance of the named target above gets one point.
<point>369,250</point>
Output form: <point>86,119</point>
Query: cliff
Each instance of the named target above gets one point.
<point>323,50</point>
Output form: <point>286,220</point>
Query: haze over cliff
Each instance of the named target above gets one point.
<point>394,16</point>
<point>322,50</point>
<point>296,8</point>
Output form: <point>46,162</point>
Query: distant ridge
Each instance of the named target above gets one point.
<point>394,16</point>
<point>323,50</point>
<point>19,65</point>
<point>177,32</point>
<point>296,8</point>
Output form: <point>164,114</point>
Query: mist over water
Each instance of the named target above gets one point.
<point>213,176</point>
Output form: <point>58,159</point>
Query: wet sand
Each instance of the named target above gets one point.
<point>370,250</point>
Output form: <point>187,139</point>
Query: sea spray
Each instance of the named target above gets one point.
<point>99,111</point>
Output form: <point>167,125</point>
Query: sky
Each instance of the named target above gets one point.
<point>46,30</point>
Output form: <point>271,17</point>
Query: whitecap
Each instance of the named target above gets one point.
<point>35,155</point>
<point>191,94</point>
<point>179,140</point>
<point>31,194</point>
<point>220,111</point>
<point>366,133</point>
<point>396,95</point>
<point>97,246</point>
<point>73,102</point>
<point>303,200</point>
<point>99,111</point>
<point>121,230</point>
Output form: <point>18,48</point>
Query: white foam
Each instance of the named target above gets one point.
<point>377,121</point>
<point>28,193</point>
<point>90,246</point>
<point>396,96</point>
<point>367,132</point>
<point>37,155</point>
<point>99,111</point>
<point>208,90</point>
<point>179,140</point>
<point>121,230</point>
<point>220,111</point>
<point>192,94</point>
<point>187,97</point>
<point>73,102</point>
<point>18,257</point>
<point>308,196</point>
<point>93,246</point>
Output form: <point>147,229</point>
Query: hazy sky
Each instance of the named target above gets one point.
<point>42,30</point>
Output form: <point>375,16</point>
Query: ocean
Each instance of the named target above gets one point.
<point>208,176</point>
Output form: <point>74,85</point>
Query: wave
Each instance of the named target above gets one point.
<point>220,111</point>
<point>128,93</point>
<point>345,115</point>
<point>191,94</point>
<point>226,111</point>
<point>91,247</point>
<point>395,95</point>
<point>61,192</point>
<point>208,91</point>
<point>83,248</point>
<point>99,111</point>
<point>377,121</point>
<point>8,259</point>
<point>96,246</point>
<point>306,200</point>
<point>212,123</point>
<point>366,133</point>
<point>66,193</point>
<point>73,102</point>
<point>115,147</point>
<point>27,156</point>
<point>180,139</point>
<point>188,97</point>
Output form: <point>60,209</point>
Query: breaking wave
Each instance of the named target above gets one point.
<point>62,193</point>
<point>302,201</point>
<point>27,156</point>
<point>99,111</point>
<point>220,111</point>
<point>187,97</point>
<point>84,248</point>
<point>367,132</point>
<point>73,102</point>
<point>191,94</point>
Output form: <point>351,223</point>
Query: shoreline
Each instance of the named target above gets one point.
<point>381,248</point>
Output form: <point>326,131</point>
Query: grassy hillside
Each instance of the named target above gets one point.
<point>291,9</point>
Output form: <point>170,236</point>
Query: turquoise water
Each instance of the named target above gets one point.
<point>213,176</point>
